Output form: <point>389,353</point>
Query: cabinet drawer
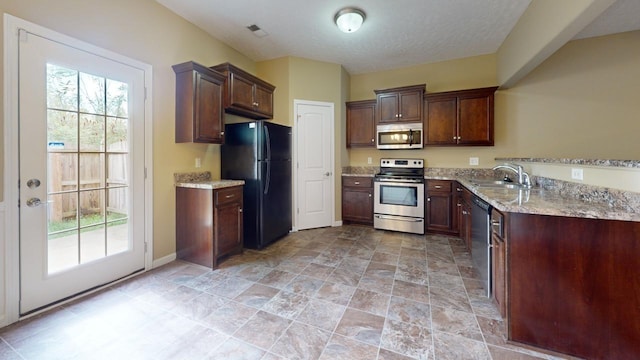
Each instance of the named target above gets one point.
<point>228,195</point>
<point>439,185</point>
<point>355,181</point>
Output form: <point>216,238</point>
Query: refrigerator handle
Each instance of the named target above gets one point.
<point>268,180</point>
<point>267,139</point>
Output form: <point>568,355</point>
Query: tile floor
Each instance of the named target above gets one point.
<point>347,292</point>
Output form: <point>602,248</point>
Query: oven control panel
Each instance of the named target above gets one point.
<point>402,163</point>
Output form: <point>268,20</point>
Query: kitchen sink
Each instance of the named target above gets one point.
<point>496,184</point>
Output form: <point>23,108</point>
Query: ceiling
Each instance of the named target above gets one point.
<point>395,33</point>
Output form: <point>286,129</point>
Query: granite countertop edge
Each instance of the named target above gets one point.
<point>210,184</point>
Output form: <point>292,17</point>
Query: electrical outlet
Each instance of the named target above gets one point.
<point>577,174</point>
<point>473,161</point>
<point>198,162</point>
<point>369,160</point>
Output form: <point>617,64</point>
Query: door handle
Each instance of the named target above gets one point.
<point>327,173</point>
<point>33,183</point>
<point>33,202</point>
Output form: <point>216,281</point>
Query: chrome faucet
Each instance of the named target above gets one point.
<point>523,177</point>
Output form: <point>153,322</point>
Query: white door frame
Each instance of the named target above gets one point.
<point>297,102</point>
<point>11,153</point>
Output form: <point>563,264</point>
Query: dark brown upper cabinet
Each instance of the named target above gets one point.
<point>245,94</point>
<point>361,123</point>
<point>199,108</point>
<point>463,117</point>
<point>403,104</point>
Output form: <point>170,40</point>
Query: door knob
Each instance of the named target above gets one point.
<point>33,202</point>
<point>327,173</point>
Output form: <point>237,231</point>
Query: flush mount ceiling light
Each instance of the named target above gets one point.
<point>349,19</point>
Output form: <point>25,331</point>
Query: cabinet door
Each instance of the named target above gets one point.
<point>208,110</point>
<point>228,228</point>
<point>410,104</point>
<point>440,121</point>
<point>438,214</point>
<point>475,122</point>
<point>263,100</point>
<point>498,254</point>
<point>387,108</point>
<point>357,205</point>
<point>241,92</point>
<point>361,119</point>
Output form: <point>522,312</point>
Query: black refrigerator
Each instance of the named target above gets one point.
<point>259,153</point>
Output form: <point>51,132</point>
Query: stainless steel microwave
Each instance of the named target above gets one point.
<point>399,136</point>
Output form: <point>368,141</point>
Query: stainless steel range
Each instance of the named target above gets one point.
<point>399,196</point>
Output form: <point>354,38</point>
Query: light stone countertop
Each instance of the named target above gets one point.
<point>546,202</point>
<point>202,180</point>
<point>210,184</point>
<point>572,201</point>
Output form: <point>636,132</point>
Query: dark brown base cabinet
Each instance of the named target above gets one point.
<point>573,285</point>
<point>357,200</point>
<point>208,224</point>
<point>463,205</point>
<point>440,216</point>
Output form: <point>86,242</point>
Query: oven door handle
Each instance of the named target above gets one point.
<point>399,181</point>
<point>410,137</point>
<point>399,219</point>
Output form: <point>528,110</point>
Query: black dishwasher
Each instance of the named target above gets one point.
<point>481,241</point>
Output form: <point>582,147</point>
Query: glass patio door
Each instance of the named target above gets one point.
<point>81,170</point>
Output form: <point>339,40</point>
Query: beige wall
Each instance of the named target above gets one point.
<point>580,103</point>
<point>306,79</point>
<point>148,32</point>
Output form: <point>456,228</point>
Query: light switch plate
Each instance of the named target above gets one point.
<point>198,162</point>
<point>577,174</point>
<point>369,161</point>
<point>473,161</point>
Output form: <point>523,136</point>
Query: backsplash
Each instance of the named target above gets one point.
<point>191,177</point>
<point>585,162</point>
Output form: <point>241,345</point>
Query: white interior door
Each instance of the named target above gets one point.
<point>81,164</point>
<point>314,151</point>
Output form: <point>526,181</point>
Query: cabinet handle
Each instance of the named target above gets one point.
<point>229,196</point>
<point>438,187</point>
<point>459,205</point>
<point>356,182</point>
<point>464,212</point>
<point>255,104</point>
<point>458,189</point>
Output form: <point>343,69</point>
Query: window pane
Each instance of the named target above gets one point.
<point>62,131</point>
<point>117,134</point>
<point>92,93</point>
<point>117,98</point>
<point>91,207</point>
<point>62,88</point>
<point>92,132</point>
<point>117,236</point>
<point>62,251</point>
<point>63,172</point>
<point>117,204</point>
<point>62,212</point>
<point>92,244</point>
<point>91,171</point>
<point>117,170</point>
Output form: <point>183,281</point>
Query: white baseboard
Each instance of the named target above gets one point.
<point>163,260</point>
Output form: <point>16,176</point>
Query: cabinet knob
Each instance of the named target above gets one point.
<point>428,199</point>
<point>464,212</point>
<point>240,210</point>
<point>256,104</point>
<point>221,132</point>
<point>369,195</point>
<point>400,115</point>
<point>373,140</point>
<point>396,115</point>
<point>459,205</point>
